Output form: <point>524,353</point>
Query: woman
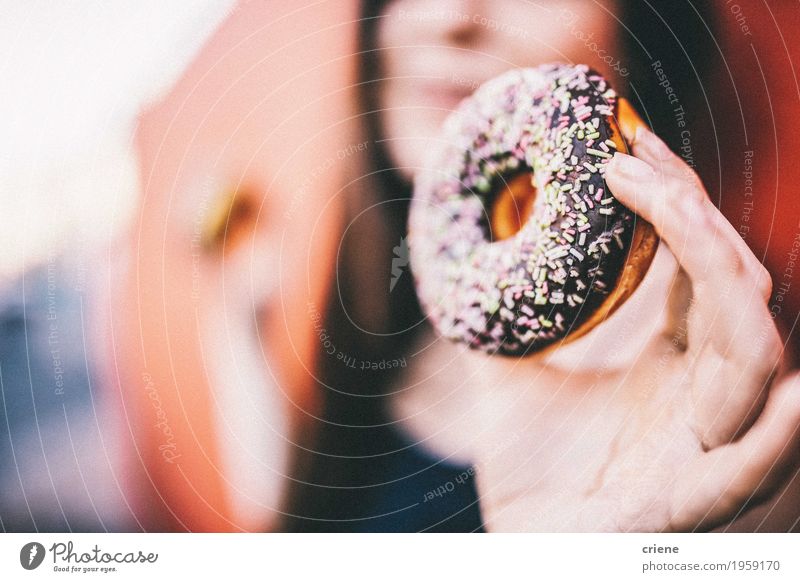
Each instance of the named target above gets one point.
<point>665,418</point>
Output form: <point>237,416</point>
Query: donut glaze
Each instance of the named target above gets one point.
<point>577,254</point>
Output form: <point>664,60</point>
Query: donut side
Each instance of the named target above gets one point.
<point>644,242</point>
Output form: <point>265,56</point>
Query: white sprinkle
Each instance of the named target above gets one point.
<point>597,153</point>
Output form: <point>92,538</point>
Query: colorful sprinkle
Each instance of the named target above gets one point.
<point>523,293</point>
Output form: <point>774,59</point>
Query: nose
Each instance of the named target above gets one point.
<point>467,28</point>
<point>455,21</point>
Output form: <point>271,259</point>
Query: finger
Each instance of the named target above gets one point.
<point>676,330</point>
<point>672,209</point>
<point>637,134</point>
<point>634,129</point>
<point>650,148</point>
<point>697,234</point>
<point>666,290</point>
<point>732,345</point>
<point>647,146</point>
<point>727,393</point>
<point>722,482</point>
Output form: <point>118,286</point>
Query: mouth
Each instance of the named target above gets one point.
<point>447,93</point>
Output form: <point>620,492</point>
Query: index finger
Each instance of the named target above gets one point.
<point>653,151</point>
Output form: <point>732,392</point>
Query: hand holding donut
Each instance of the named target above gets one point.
<point>664,418</point>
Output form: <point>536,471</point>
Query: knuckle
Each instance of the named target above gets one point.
<point>763,281</point>
<point>728,267</point>
<point>739,264</point>
<point>791,403</point>
<point>695,184</point>
<point>691,210</point>
<point>775,346</point>
<point>688,186</point>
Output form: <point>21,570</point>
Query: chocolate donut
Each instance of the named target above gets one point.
<point>515,240</point>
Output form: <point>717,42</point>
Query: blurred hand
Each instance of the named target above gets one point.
<point>665,417</point>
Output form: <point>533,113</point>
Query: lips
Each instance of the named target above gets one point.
<point>444,94</point>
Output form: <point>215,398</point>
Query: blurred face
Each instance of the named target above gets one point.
<point>435,53</point>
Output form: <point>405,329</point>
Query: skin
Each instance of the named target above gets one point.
<point>674,415</point>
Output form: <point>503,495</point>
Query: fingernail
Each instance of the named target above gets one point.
<point>632,167</point>
<point>652,142</point>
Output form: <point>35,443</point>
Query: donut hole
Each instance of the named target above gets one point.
<point>511,206</point>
